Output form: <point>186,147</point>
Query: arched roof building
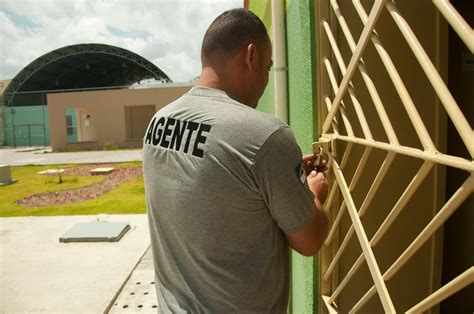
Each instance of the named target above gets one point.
<point>78,96</point>
<point>82,66</point>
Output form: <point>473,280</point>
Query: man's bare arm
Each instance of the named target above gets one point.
<point>308,241</point>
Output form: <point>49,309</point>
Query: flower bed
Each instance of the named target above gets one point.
<point>116,177</point>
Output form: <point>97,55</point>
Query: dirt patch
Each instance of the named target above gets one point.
<point>85,170</point>
<point>116,177</point>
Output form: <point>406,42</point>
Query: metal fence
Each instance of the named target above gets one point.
<point>25,126</point>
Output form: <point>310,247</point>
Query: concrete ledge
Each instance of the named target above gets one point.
<point>5,175</point>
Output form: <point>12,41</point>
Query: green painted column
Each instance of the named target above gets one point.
<point>302,120</point>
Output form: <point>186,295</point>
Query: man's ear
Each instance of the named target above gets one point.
<point>251,56</point>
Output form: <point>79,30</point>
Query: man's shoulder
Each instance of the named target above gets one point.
<point>250,123</point>
<point>217,107</point>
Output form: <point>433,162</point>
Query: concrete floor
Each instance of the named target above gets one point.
<point>40,274</point>
<point>37,156</point>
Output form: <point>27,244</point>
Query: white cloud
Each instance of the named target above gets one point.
<point>166,32</point>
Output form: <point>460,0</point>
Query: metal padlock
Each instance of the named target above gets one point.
<point>318,160</point>
<point>323,146</point>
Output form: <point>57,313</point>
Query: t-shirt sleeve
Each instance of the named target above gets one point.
<point>281,180</point>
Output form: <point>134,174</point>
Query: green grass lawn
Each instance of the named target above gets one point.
<point>126,198</point>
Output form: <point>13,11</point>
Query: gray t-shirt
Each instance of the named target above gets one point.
<point>223,182</point>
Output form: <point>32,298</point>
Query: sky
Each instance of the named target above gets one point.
<point>166,32</point>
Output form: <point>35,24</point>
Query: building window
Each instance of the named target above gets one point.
<point>69,127</point>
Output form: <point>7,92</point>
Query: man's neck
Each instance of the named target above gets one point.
<point>210,78</point>
<point>213,79</point>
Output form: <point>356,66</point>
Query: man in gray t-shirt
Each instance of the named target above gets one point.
<point>225,186</point>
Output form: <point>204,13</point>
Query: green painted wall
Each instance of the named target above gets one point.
<point>26,125</point>
<point>302,120</point>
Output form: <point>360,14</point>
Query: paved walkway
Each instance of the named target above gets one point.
<point>43,156</point>
<point>38,274</point>
<point>41,275</point>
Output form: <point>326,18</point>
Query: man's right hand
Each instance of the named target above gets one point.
<point>319,186</point>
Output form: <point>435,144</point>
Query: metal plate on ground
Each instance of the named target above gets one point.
<point>106,170</point>
<point>96,232</point>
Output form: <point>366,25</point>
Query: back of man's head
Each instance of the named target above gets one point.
<point>229,33</point>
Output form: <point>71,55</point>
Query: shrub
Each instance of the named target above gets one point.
<point>109,145</point>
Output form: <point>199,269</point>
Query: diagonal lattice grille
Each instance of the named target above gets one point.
<point>386,109</point>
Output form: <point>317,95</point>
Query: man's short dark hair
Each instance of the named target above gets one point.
<point>232,31</point>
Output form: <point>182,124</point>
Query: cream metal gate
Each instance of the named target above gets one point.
<point>385,109</point>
